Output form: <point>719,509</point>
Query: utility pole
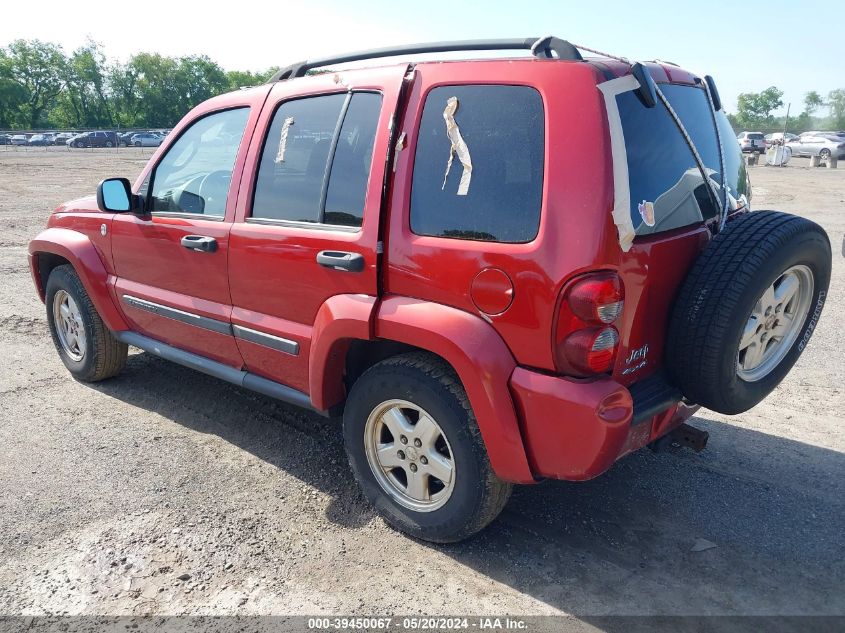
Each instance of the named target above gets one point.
<point>786,122</point>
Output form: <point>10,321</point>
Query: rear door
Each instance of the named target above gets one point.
<point>307,223</point>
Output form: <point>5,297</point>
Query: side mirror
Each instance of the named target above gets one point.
<point>646,92</point>
<point>115,195</point>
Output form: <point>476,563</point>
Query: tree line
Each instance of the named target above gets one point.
<point>41,87</point>
<point>754,112</point>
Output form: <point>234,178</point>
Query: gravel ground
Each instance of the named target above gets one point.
<point>168,492</point>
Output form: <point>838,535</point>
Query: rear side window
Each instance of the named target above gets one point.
<point>353,156</point>
<point>502,128</point>
<point>666,187</point>
<point>316,160</point>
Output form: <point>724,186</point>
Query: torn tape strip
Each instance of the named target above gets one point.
<point>622,193</point>
<point>459,147</point>
<point>283,139</point>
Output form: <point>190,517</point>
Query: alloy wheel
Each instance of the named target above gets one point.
<point>774,323</point>
<point>70,328</point>
<point>409,455</point>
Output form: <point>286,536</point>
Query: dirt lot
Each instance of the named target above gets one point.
<point>112,492</point>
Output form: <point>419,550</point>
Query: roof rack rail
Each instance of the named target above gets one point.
<point>545,47</point>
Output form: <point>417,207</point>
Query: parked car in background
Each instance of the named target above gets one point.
<point>19,139</point>
<point>778,137</point>
<point>5,139</point>
<point>62,137</point>
<point>125,138</point>
<point>822,144</point>
<point>146,139</point>
<point>41,140</point>
<point>752,142</point>
<point>95,139</point>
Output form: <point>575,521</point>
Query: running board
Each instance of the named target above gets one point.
<point>205,365</point>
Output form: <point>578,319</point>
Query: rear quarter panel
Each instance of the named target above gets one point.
<point>576,230</point>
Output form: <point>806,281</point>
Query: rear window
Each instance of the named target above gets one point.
<point>666,187</point>
<point>500,199</point>
<point>756,137</point>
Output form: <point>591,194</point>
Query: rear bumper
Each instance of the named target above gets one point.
<point>576,430</point>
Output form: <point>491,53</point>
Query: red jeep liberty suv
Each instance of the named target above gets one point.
<point>496,270</point>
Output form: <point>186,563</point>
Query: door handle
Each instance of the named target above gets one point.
<point>199,243</point>
<point>341,260</point>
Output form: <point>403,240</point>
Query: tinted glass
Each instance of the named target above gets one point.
<point>735,176</point>
<point>756,137</point>
<point>667,190</point>
<point>194,175</point>
<point>503,128</point>
<point>353,156</point>
<point>293,163</point>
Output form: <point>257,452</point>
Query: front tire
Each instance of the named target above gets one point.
<point>824,154</point>
<point>416,450</point>
<point>86,346</point>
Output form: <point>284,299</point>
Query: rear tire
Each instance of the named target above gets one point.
<point>758,288</point>
<point>86,346</point>
<point>824,154</point>
<point>397,397</point>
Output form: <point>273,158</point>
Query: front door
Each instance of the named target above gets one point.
<point>307,225</point>
<point>171,263</point>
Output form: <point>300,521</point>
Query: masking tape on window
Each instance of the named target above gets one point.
<point>621,185</point>
<point>283,139</point>
<point>459,147</point>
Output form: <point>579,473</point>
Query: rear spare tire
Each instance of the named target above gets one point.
<point>747,309</point>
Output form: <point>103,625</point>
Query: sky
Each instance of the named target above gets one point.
<point>747,45</point>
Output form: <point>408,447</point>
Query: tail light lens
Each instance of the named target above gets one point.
<point>586,339</point>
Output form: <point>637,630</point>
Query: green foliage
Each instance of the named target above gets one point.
<point>754,112</point>
<point>836,104</point>
<point>754,109</point>
<point>42,87</point>
<point>38,70</point>
<point>812,102</point>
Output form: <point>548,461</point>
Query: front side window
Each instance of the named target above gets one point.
<point>478,167</point>
<point>316,160</point>
<point>194,175</point>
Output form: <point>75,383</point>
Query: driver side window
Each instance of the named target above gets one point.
<point>195,173</point>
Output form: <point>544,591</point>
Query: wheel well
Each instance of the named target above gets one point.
<point>364,354</point>
<point>46,263</point>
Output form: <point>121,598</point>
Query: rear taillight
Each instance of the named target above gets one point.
<point>586,340</point>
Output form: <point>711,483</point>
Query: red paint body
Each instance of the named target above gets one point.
<point>487,308</point>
